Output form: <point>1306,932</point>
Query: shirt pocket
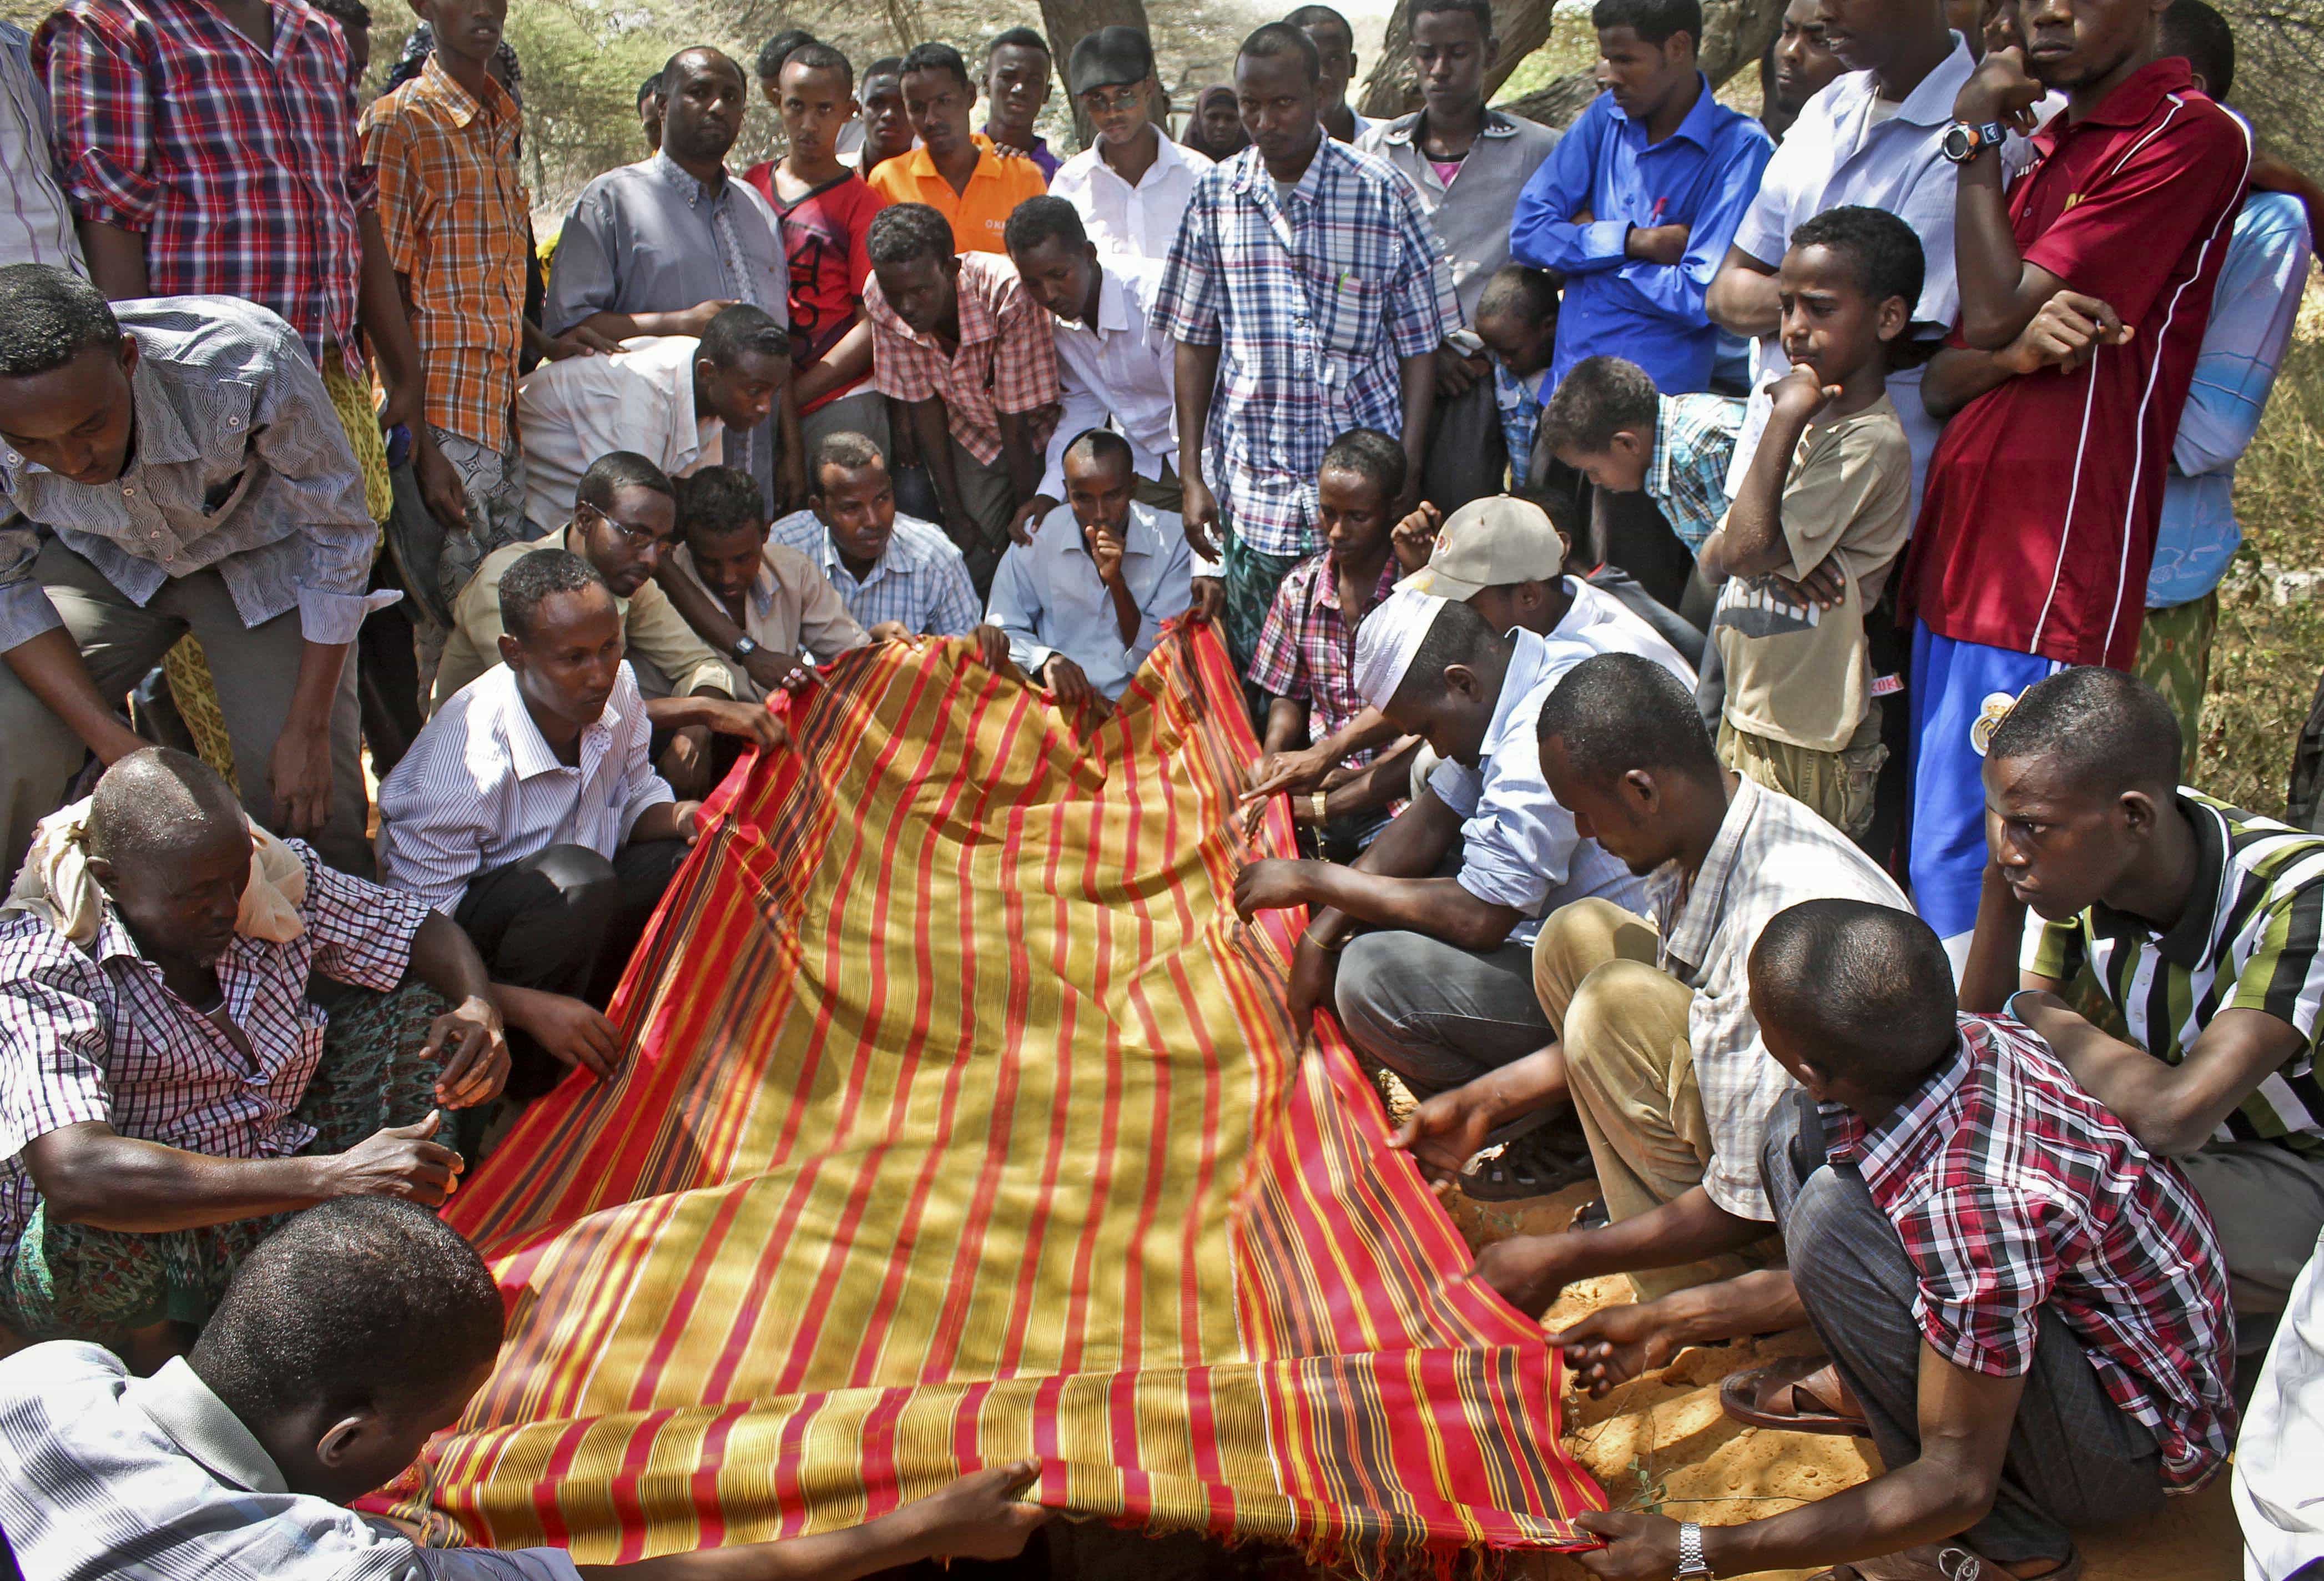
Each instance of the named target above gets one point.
<point>1347,308</point>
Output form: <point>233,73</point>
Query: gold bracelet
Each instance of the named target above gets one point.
<point>1309,937</point>
<point>1320,806</point>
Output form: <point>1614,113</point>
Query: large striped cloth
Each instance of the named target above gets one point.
<point>965,1122</point>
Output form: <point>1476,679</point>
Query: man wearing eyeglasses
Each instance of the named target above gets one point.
<point>1132,185</point>
<point>672,399</point>
<point>625,522</point>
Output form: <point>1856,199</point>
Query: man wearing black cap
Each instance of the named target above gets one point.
<point>1131,186</point>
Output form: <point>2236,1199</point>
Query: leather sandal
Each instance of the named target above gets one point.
<point>1792,1396</point>
<point>1942,1561</point>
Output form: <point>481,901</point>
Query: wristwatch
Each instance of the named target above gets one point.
<point>1964,139</point>
<point>1690,1566</point>
<point>744,647</point>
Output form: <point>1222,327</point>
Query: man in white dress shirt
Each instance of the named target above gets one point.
<point>1115,367</point>
<point>668,398</point>
<point>528,810</point>
<point>1130,187</point>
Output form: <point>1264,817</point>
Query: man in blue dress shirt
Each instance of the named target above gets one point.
<point>1638,201</point>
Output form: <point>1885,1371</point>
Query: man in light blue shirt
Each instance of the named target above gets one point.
<point>2252,316</point>
<point>1871,138</point>
<point>1082,604</point>
<point>1638,203</point>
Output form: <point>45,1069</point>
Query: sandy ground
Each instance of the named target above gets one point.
<point>1661,1442</point>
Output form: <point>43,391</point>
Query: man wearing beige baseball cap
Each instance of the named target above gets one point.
<point>1438,917</point>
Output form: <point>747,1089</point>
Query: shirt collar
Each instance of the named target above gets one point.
<point>2134,99</point>
<point>1687,936</point>
<point>1887,1151</point>
<point>763,582</point>
<point>1930,103</point>
<point>1251,170</point>
<point>694,191</point>
<point>1697,127</point>
<point>529,751</point>
<point>439,86</point>
<point>2190,941</point>
<point>1166,156</point>
<point>1405,130</point>
<point>198,1422</point>
<point>1525,665</point>
<point>1112,310</point>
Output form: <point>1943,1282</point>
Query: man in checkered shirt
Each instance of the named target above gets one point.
<point>1308,294</point>
<point>167,1089</point>
<point>2026,1310</point>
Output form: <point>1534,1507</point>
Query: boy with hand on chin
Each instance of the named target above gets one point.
<point>1826,501</point>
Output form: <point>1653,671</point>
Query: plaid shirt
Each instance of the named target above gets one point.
<point>241,172</point>
<point>2014,1190</point>
<point>1520,405</point>
<point>921,582</point>
<point>1312,302</point>
<point>1307,650</point>
<point>454,209</point>
<point>96,1035</point>
<point>1695,439</point>
<point>1007,360</point>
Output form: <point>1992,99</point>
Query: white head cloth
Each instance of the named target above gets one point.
<point>1389,640</point>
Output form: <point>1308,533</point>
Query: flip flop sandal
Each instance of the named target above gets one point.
<point>1945,1561</point>
<point>1591,1216</point>
<point>1751,1398</point>
<point>1519,1171</point>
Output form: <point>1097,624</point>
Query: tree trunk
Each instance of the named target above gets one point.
<point>1735,35</point>
<point>1069,21</point>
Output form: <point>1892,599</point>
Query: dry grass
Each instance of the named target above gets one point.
<point>2264,666</point>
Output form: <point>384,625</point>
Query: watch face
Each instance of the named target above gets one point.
<point>1958,143</point>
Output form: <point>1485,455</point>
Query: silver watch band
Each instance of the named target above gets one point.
<point>1690,1554</point>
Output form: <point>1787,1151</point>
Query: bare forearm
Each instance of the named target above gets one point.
<point>1286,721</point>
<point>1438,907</point>
<point>1686,1229</point>
<point>933,436</point>
<point>1926,1501</point>
<point>318,686</point>
<point>1021,456</point>
<point>630,326</point>
<point>884,1544</point>
<point>697,608</point>
<point>1417,374</point>
<point>444,957</point>
<point>117,260</point>
<point>1743,298</point>
<point>847,361</point>
<point>1751,542</point>
<point>1197,371</point>
<point>51,669</point>
<point>1367,729</point>
<point>1958,375</point>
<point>1990,268</point>
<point>1376,787</point>
<point>1764,1301</point>
<point>121,1184</point>
<point>379,309</point>
<point>1989,976</point>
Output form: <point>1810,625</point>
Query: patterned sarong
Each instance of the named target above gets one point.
<point>965,1122</point>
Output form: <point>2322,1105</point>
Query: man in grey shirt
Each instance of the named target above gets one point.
<point>1467,164</point>
<point>658,247</point>
<point>169,465</point>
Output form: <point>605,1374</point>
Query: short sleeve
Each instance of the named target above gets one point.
<point>1275,666</point>
<point>1766,229</point>
<point>2281,974</point>
<point>362,932</point>
<point>52,1043</point>
<point>1189,301</point>
<point>405,198</point>
<point>2124,237</point>
<point>898,370</point>
<point>1518,845</point>
<point>1457,786</point>
<point>1855,489</point>
<point>2050,949</point>
<point>102,116</point>
<point>582,278</point>
<point>1025,362</point>
<point>1984,1268</point>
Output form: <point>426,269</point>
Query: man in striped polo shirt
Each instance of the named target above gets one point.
<point>2201,924</point>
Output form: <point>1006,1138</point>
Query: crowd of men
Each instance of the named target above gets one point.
<point>1701,581</point>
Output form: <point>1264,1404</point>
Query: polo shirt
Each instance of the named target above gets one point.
<point>1839,153</point>
<point>2249,941</point>
<point>2039,521</point>
<point>978,214</point>
<point>1703,175</point>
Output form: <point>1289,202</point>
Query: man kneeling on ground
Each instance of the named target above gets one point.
<point>528,811</point>
<point>1453,889</point>
<point>2201,924</point>
<point>353,1335</point>
<point>171,1088</point>
<point>1655,1044</point>
<point>2025,1310</point>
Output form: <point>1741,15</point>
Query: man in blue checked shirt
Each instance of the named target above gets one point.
<point>1307,298</point>
<point>1638,201</point>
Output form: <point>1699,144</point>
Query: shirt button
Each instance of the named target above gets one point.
<point>155,536</point>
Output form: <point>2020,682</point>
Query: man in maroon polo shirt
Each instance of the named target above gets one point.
<point>2084,293</point>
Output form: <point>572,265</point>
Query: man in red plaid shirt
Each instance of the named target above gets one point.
<point>210,150</point>
<point>2027,1312</point>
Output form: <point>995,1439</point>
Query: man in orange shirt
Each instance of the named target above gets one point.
<point>953,171</point>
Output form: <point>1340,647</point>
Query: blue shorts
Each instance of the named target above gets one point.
<point>1959,692</point>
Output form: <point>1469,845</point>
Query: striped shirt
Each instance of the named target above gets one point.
<point>95,1035</point>
<point>1311,301</point>
<point>2014,1190</point>
<point>2249,941</point>
<point>920,582</point>
<point>112,1476</point>
<point>454,209</point>
<point>481,788</point>
<point>1695,439</point>
<point>36,226</point>
<point>240,467</point>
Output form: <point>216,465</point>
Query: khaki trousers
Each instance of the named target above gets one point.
<point>1630,1068</point>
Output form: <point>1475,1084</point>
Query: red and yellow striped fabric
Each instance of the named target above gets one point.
<point>965,1124</point>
